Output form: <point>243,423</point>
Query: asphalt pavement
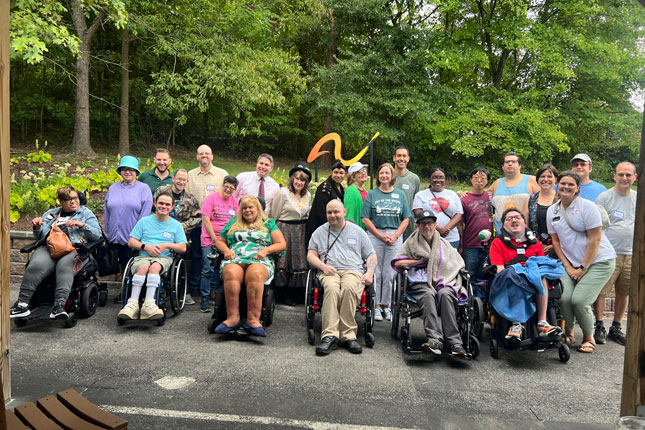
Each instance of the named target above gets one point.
<point>179,376</point>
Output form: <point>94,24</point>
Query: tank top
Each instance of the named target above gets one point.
<point>509,197</point>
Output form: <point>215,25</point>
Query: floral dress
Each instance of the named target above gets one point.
<point>245,244</point>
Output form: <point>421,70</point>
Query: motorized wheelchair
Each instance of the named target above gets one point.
<point>405,308</point>
<point>314,294</point>
<point>171,290</point>
<point>219,308</point>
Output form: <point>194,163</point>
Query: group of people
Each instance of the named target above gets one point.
<point>248,218</point>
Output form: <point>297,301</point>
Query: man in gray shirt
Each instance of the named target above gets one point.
<point>620,204</point>
<point>406,181</point>
<point>338,250</point>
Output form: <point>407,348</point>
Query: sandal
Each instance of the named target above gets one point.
<point>587,347</point>
<point>568,339</point>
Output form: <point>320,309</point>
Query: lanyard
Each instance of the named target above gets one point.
<point>332,244</point>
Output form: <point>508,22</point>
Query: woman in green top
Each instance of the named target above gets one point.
<point>246,242</point>
<point>355,193</point>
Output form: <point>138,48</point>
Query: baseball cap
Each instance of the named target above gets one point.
<point>425,214</point>
<point>356,167</point>
<point>583,157</point>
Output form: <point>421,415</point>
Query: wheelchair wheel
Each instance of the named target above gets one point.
<point>309,297</point>
<point>178,287</point>
<point>494,348</point>
<point>369,340</point>
<point>268,307</point>
<point>212,324</point>
<point>20,322</point>
<point>103,297</point>
<point>124,282</point>
<point>161,321</point>
<point>311,336</point>
<point>564,353</point>
<point>219,310</point>
<point>71,320</point>
<point>89,299</point>
<point>473,346</point>
<point>120,321</point>
<point>395,323</point>
<point>478,317</point>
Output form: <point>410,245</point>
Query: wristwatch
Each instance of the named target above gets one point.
<point>143,246</point>
<point>583,267</point>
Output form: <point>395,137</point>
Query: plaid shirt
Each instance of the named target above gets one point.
<point>186,209</point>
<point>202,184</point>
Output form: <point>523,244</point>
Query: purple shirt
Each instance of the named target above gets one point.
<point>477,217</point>
<point>125,204</point>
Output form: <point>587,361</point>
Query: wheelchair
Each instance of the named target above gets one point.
<point>314,294</point>
<point>530,338</point>
<point>219,308</point>
<point>86,293</point>
<point>405,308</point>
<point>171,290</point>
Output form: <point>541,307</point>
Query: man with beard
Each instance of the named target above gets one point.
<point>434,282</point>
<point>161,175</point>
<point>406,181</point>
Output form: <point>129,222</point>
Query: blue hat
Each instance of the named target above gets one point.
<point>129,161</point>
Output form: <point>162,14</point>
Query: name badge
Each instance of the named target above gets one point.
<point>231,212</point>
<point>167,235</point>
<point>405,186</point>
<point>210,187</point>
<point>394,195</point>
<point>352,241</point>
<point>521,251</point>
<point>619,214</point>
<point>556,218</point>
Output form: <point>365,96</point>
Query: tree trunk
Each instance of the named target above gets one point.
<point>81,142</point>
<point>124,118</point>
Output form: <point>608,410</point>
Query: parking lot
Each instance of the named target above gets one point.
<point>178,376</point>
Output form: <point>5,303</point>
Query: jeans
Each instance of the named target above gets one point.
<point>475,259</point>
<point>455,244</point>
<point>210,277</point>
<point>196,258</point>
<point>384,274</point>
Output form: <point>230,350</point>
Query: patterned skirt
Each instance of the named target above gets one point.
<point>291,270</point>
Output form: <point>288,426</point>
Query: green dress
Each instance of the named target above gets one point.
<point>245,244</point>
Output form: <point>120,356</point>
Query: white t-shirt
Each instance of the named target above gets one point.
<point>583,215</point>
<point>622,214</point>
<point>450,203</point>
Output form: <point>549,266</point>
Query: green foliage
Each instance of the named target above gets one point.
<point>39,157</point>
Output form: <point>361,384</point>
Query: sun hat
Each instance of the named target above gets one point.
<point>301,166</point>
<point>129,161</point>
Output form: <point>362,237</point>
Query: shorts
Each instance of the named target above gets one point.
<point>621,277</point>
<point>165,262</point>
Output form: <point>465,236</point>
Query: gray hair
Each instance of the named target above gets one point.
<point>267,156</point>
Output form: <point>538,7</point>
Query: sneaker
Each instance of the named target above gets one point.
<point>600,335</point>
<point>616,334</point>
<point>432,345</point>
<point>545,329</point>
<point>378,316</point>
<point>189,300</point>
<point>19,310</point>
<point>457,350</point>
<point>515,332</point>
<point>150,310</point>
<point>205,305</point>
<point>388,314</point>
<point>130,311</point>
<point>58,312</point>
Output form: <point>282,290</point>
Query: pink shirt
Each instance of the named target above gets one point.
<point>220,211</point>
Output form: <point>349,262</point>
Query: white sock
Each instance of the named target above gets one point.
<point>152,284</point>
<point>137,283</point>
<point>543,323</point>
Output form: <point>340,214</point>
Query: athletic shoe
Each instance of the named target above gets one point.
<point>378,316</point>
<point>150,310</point>
<point>19,310</point>
<point>616,334</point>
<point>189,300</point>
<point>58,312</point>
<point>432,345</point>
<point>388,314</point>
<point>600,335</point>
<point>205,305</point>
<point>130,311</point>
<point>515,332</point>
<point>457,350</point>
<point>545,329</point>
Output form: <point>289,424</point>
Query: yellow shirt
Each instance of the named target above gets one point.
<point>202,184</point>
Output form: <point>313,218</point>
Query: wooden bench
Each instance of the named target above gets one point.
<point>68,410</point>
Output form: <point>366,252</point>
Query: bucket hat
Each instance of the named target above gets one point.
<point>129,161</point>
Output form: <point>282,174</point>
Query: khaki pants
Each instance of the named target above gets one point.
<point>342,293</point>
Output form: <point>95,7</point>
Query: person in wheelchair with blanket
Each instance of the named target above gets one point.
<point>434,282</point>
<point>511,293</point>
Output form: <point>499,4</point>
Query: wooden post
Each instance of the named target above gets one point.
<point>633,393</point>
<point>5,194</point>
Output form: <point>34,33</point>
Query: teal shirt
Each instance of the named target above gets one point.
<point>386,210</point>
<point>150,178</point>
<point>354,205</point>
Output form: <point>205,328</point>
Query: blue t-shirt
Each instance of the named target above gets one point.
<point>592,190</point>
<point>386,210</point>
<point>150,230</point>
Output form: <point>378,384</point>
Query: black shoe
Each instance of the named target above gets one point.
<point>616,334</point>
<point>432,345</point>
<point>327,345</point>
<point>19,310</point>
<point>600,335</point>
<point>58,312</point>
<point>457,350</point>
<point>289,301</point>
<point>352,346</point>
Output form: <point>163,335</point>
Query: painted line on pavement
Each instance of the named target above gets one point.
<point>245,419</point>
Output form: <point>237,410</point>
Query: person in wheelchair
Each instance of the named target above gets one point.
<point>79,224</point>
<point>343,247</point>
<point>516,244</point>
<point>246,243</point>
<point>156,237</point>
<point>426,252</point>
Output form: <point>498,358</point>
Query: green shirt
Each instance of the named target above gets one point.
<point>354,205</point>
<point>150,178</point>
<point>410,184</point>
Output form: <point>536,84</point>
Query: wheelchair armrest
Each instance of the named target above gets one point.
<point>29,248</point>
<point>490,270</point>
<point>88,247</point>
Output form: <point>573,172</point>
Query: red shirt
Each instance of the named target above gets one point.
<point>500,254</point>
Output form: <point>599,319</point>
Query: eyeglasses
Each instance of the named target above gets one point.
<point>204,153</point>
<point>624,175</point>
<point>228,188</point>
<point>514,218</point>
<point>71,199</point>
<point>426,224</point>
<point>127,170</point>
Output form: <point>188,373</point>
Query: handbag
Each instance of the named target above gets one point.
<point>108,259</point>
<point>58,243</point>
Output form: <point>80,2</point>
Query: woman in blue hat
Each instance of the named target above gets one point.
<point>126,203</point>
